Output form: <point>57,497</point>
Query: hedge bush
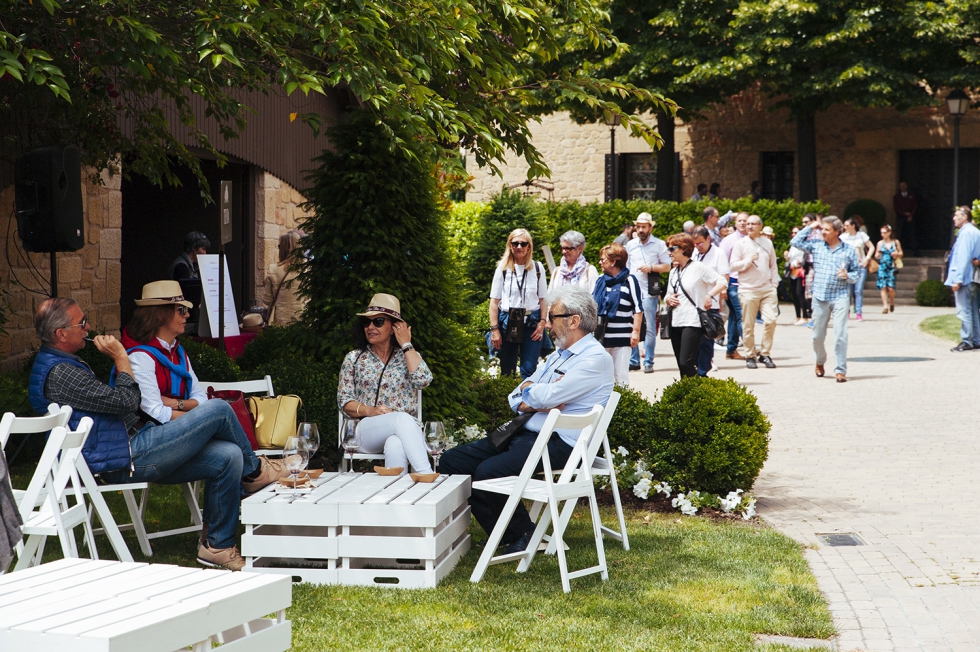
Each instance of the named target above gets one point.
<point>631,422</point>
<point>709,435</point>
<point>210,364</point>
<point>933,293</point>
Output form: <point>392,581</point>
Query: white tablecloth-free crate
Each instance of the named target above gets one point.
<point>362,529</point>
<point>85,605</point>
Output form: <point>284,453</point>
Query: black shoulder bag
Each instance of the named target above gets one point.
<point>711,322</point>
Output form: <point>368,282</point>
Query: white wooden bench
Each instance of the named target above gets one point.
<point>83,605</point>
<point>360,529</point>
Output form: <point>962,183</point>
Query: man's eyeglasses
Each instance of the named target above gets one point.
<point>521,245</point>
<point>759,224</point>
<point>83,324</point>
<point>552,317</point>
<point>566,248</point>
<point>377,322</point>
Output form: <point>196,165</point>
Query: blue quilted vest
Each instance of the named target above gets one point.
<point>107,446</point>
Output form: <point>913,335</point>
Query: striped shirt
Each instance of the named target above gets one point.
<point>621,325</point>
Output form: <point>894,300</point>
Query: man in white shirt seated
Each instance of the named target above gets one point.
<point>575,378</point>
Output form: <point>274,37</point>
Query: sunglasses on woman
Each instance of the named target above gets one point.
<point>377,322</point>
<point>183,311</point>
<point>520,245</point>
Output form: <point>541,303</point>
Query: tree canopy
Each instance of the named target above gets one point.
<point>450,73</point>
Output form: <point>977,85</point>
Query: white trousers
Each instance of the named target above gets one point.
<point>399,437</point>
<point>621,364</point>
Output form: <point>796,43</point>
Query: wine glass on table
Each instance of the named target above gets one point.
<point>311,434</point>
<point>435,440</point>
<point>351,441</point>
<point>296,456</point>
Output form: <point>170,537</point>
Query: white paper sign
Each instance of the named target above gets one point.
<point>208,326</point>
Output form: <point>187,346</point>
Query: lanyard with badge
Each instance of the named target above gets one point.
<point>515,316</point>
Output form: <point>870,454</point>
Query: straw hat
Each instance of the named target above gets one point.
<point>383,305</point>
<point>767,230</point>
<point>645,218</point>
<point>163,293</point>
<point>252,322</point>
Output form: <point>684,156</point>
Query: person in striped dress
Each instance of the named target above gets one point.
<point>619,298</point>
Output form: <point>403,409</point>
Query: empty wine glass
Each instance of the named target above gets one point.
<point>435,440</point>
<point>296,456</point>
<point>351,441</point>
<point>311,434</point>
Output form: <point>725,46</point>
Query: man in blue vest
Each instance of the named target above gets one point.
<point>125,445</point>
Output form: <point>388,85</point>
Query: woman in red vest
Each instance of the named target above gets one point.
<point>160,365</point>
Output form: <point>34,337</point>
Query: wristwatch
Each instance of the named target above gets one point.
<point>407,346</point>
<point>180,404</point>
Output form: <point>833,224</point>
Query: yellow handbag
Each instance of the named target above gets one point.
<point>275,418</point>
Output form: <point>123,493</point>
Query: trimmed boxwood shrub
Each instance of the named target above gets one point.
<point>631,422</point>
<point>210,364</point>
<point>709,435</point>
<point>492,408</point>
<point>933,293</point>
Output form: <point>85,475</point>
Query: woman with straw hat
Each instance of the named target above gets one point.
<point>378,384</point>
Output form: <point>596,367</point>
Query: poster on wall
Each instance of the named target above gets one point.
<point>208,326</point>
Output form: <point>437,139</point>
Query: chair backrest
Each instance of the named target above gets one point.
<point>586,423</point>
<point>57,468</point>
<point>599,434</point>
<point>580,459</point>
<point>57,416</point>
<point>261,386</point>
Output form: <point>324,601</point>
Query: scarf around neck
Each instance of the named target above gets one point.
<point>570,275</point>
<point>608,301</point>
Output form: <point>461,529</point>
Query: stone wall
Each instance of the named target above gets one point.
<point>277,207</point>
<point>91,276</point>
<point>857,150</point>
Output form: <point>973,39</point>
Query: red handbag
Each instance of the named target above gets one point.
<point>236,399</point>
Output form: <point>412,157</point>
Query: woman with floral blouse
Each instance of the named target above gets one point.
<point>378,384</point>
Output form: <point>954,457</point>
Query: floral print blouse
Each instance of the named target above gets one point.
<point>364,378</point>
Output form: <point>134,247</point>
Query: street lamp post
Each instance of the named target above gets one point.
<point>612,119</point>
<point>957,102</point>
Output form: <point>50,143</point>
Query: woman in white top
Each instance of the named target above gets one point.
<point>281,283</point>
<point>865,250</point>
<point>518,306</point>
<point>691,285</point>
<point>574,269</point>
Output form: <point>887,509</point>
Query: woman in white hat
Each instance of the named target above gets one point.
<point>378,385</point>
<point>167,381</point>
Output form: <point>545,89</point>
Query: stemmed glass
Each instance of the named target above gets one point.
<point>435,440</point>
<point>296,456</point>
<point>311,434</point>
<point>351,441</point>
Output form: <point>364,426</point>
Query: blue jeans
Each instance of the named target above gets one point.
<point>857,290</point>
<point>706,353</point>
<point>734,317</point>
<point>481,460</point>
<point>822,311</point>
<point>529,350</point>
<point>650,306</point>
<point>206,444</point>
<point>968,312</point>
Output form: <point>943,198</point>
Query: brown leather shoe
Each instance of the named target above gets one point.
<point>735,356</point>
<point>841,378</point>
<point>819,371</point>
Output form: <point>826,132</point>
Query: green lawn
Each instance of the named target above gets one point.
<point>686,584</point>
<point>945,326</point>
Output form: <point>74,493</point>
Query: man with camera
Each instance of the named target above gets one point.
<point>648,258</point>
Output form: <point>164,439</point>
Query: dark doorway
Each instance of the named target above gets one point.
<point>929,175</point>
<point>778,174</point>
<point>155,221</point>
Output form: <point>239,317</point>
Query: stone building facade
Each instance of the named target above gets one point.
<point>858,150</point>
<point>93,275</point>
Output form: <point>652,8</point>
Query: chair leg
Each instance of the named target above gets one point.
<point>31,552</point>
<point>138,527</point>
<point>498,533</point>
<point>557,538</point>
<point>105,516</point>
<point>615,491</point>
<point>191,492</point>
<point>597,531</point>
<point>536,538</point>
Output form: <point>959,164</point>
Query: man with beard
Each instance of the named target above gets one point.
<point>574,379</point>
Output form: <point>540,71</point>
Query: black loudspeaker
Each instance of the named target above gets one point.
<point>48,195</point>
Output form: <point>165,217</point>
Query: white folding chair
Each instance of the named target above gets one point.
<point>46,508</point>
<point>600,465</point>
<point>367,456</point>
<point>575,482</point>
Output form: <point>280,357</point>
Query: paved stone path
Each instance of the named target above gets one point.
<point>892,456</point>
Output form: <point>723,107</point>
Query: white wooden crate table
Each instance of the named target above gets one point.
<point>85,605</point>
<point>364,529</point>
